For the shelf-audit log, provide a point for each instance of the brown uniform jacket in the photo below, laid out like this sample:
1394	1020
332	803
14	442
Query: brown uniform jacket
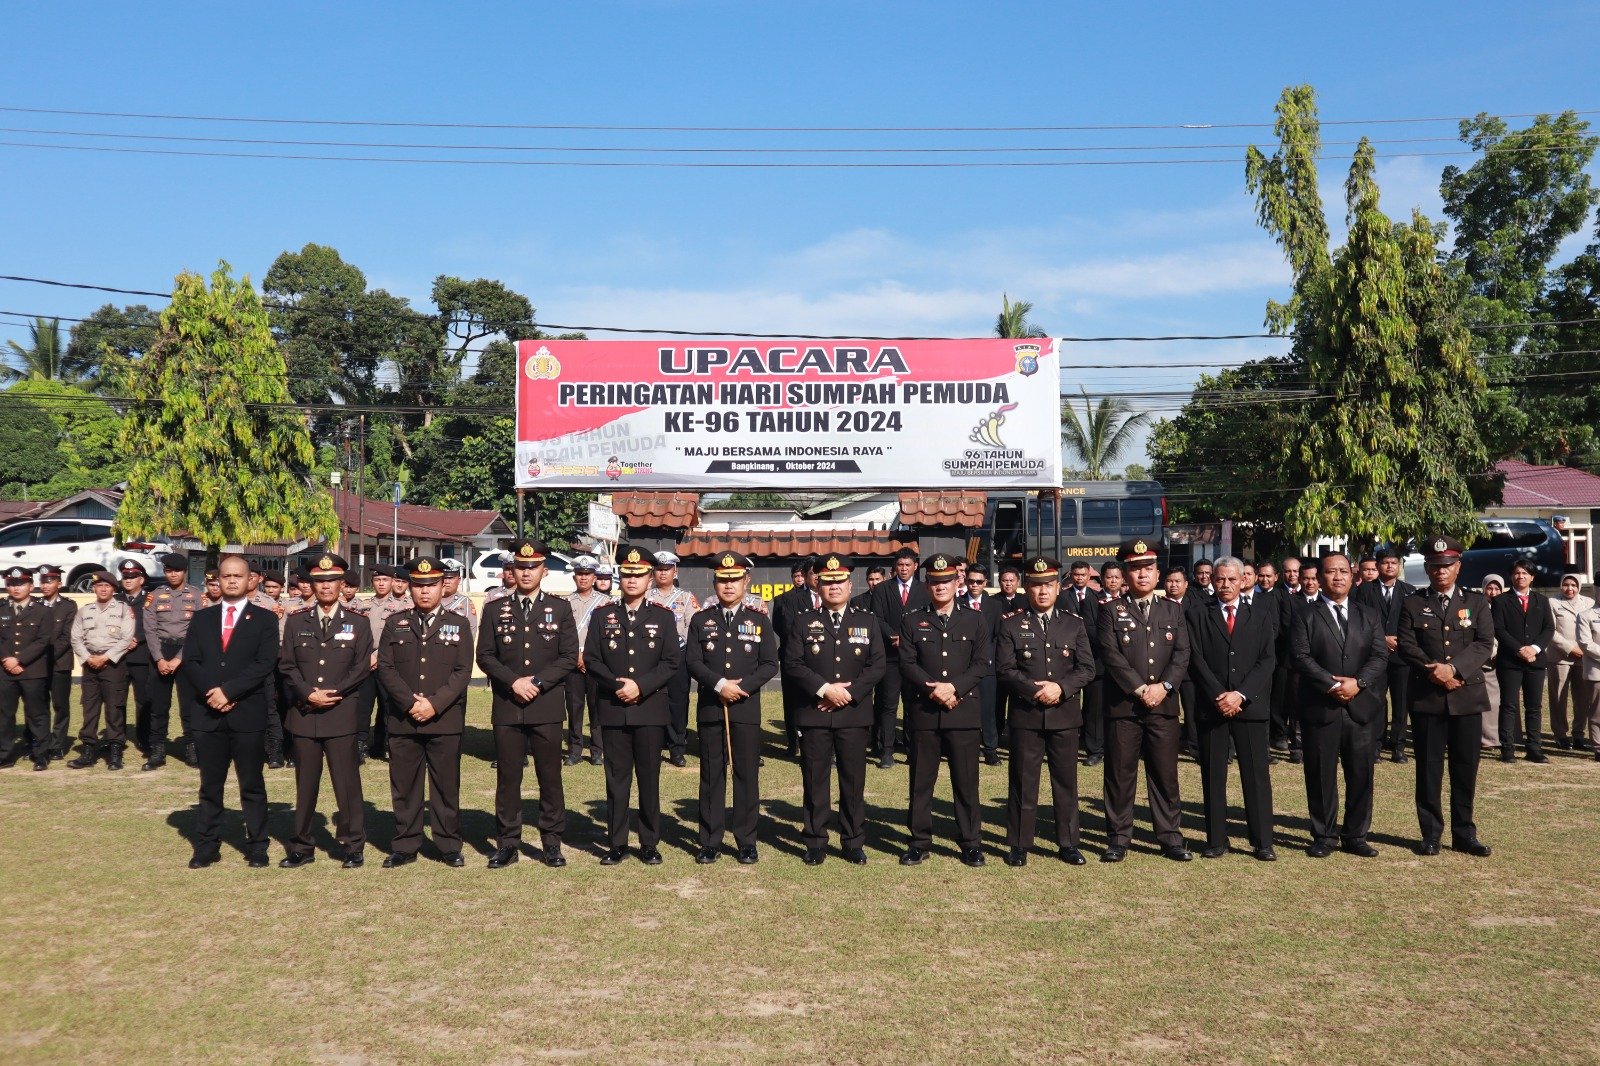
437	666
817	654
1025	652
27	631
1137	653
746	649
543	646
342	660
1461	634
959	651
646	651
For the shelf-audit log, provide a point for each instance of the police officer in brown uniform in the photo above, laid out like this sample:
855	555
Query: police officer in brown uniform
834	655
27	634
528	647
1045	659
325	661
62	611
167	613
945	653
1446	636
732	653
132	592
632	653
1145	644
425	665
100	635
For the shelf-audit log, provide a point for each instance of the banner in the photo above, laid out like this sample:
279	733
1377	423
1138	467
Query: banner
713	415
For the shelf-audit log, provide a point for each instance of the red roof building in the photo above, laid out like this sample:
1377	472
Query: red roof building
1564	495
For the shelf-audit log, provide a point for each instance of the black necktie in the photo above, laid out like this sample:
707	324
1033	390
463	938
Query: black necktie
527	607
940	619
327	626
1144	609
834	615
632	615
727	618
1344	624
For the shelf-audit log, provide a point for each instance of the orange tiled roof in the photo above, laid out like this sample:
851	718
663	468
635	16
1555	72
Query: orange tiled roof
671	510
943	508
794	543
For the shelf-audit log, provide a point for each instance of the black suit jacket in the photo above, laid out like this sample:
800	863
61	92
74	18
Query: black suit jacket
647	652
1320	653
818	654
1138	653
888	609
242	672
437	666
342	661
1515	629
1025	653
1371	595
1241	662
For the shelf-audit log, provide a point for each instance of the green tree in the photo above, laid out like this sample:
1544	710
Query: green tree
102	343
28	439
1569	392
1013	320
44	358
1102	435
87	431
212	449
1388	445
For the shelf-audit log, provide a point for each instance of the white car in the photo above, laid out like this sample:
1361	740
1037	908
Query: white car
79	546
486	570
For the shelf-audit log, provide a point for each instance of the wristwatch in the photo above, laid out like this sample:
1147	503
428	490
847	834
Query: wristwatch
1360	683
1167	685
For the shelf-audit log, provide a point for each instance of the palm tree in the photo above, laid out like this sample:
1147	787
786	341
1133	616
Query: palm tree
43	360
1013	319
1103	433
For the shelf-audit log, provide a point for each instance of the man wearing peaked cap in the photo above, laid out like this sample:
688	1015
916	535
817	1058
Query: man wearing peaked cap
451	598
945	653
732	652
62	612
27	633
682	603
131	591
167	613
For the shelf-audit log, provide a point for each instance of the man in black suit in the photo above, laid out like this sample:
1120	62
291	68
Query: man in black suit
1144	641
632	653
229	655
425	664
785	607
946	651
1010	598
1044	658
1386	595
528	648
1080	599
732	653
1446	639
890	601
1525	629
1183	594
1339	654
835	656
1233	653
974	596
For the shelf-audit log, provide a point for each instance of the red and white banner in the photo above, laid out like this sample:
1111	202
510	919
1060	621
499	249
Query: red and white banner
715	415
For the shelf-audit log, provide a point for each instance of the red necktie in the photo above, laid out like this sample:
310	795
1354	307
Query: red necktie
227	626
905	591
1523	597
1227	612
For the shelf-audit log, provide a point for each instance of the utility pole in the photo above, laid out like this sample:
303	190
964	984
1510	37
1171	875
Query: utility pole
361	490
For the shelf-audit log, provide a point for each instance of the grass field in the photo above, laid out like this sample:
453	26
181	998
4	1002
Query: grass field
115	951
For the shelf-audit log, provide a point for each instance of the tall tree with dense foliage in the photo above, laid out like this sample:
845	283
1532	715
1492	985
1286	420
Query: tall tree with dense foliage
1390	443
102	343
43	358
1101	436
214	449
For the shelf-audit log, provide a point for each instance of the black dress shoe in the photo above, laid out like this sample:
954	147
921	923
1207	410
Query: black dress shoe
1471	847
294	862
855	856
1297	756
399	859
814	856
972	857
1176	852
706	856
1398	757
453	858
1114	853
761	760
84	760
1094	760
1320	850
503	857
1017	857
1564	743
1428	847
200	862
41	764
552	857
1071	856
913	857
1215	852
257	861
650	856
354	861
991	757
680	760
1537	756
748	856
1506	756
1358	847
597	760
1265	855
612	857
275	764
886	762
574	758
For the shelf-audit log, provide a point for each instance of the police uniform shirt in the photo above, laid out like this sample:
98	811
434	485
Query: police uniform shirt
167	612
954	648
1144	642
1455	629
644	648
583	607
102	629
27	632
427	653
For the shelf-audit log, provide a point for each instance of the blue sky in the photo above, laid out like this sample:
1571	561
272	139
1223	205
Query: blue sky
1099	250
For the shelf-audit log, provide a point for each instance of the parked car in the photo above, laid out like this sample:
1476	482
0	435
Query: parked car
486	570
1504	541
79	546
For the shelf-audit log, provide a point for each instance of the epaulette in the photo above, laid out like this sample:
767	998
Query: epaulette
1013	613
300	610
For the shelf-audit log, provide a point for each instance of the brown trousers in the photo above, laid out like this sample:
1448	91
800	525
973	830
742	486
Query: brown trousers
1154	739
105	689
512	743
440	755
1029	749
344	767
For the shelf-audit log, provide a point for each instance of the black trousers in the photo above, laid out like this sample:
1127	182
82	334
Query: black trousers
1396	684
440	755
578	685
342	754
1526	728
1191	725
1285	723
960	746
139	671
1153	739
1029	749
1459	736
677	736
1347	743
1002	705
989	722
633	752
34	695
163	687
105	690
512	743
793	700
61	711
1094	717
375	739
885	708
274	689
217	749
820	751
1250	741
714	782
